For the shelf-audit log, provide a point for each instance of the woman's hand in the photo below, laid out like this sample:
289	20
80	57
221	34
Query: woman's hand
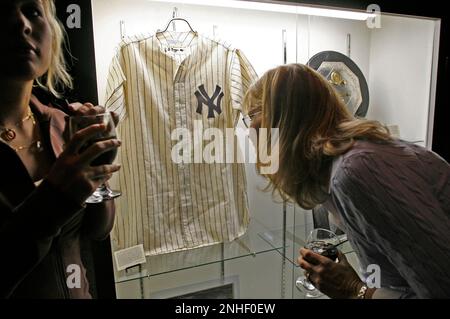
72	174
78	109
335	279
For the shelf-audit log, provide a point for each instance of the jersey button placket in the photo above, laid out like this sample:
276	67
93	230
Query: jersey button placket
188	218
183	168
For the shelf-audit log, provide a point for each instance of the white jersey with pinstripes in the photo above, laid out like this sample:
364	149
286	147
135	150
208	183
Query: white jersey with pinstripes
166	206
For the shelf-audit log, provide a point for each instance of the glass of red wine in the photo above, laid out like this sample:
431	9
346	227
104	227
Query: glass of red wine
76	123
323	242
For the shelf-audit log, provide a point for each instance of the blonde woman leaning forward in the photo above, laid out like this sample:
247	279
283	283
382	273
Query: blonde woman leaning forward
391	197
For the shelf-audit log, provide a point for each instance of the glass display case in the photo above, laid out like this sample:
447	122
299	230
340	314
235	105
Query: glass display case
397	56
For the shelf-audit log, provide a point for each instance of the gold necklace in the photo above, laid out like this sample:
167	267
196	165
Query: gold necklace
36	145
8	134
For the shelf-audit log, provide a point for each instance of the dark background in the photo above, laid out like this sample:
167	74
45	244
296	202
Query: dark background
81	46
81	42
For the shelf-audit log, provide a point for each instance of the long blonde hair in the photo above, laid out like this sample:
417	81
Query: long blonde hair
314	127
56	75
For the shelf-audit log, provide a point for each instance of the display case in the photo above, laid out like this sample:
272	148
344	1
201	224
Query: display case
398	57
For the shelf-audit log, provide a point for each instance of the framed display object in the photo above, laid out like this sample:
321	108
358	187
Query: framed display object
226	288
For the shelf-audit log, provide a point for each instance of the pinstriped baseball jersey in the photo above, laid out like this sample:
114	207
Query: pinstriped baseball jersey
157	84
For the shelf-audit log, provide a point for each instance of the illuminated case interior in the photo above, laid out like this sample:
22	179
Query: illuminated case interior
398	57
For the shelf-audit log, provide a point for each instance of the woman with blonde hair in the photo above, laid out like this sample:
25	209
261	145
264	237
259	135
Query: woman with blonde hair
391	197
44	178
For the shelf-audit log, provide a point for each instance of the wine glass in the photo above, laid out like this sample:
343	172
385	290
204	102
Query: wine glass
321	241
76	123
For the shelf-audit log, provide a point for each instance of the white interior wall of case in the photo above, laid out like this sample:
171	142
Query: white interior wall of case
395	59
401	57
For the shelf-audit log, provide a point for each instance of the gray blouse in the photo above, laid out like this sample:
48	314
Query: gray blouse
393	201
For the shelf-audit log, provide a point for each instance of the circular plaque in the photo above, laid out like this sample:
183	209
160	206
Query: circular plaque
346	77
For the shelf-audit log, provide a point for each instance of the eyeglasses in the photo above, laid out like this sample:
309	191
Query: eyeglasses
247	119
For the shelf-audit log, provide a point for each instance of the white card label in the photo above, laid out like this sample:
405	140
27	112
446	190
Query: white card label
130	257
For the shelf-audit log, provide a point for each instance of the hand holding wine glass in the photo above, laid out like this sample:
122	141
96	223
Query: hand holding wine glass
327	270
104	156
72	173
323	242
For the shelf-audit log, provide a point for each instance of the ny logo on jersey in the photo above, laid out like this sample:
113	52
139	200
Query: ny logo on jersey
203	98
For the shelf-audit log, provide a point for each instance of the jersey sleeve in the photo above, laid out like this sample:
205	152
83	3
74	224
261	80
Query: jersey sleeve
115	88
243	75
